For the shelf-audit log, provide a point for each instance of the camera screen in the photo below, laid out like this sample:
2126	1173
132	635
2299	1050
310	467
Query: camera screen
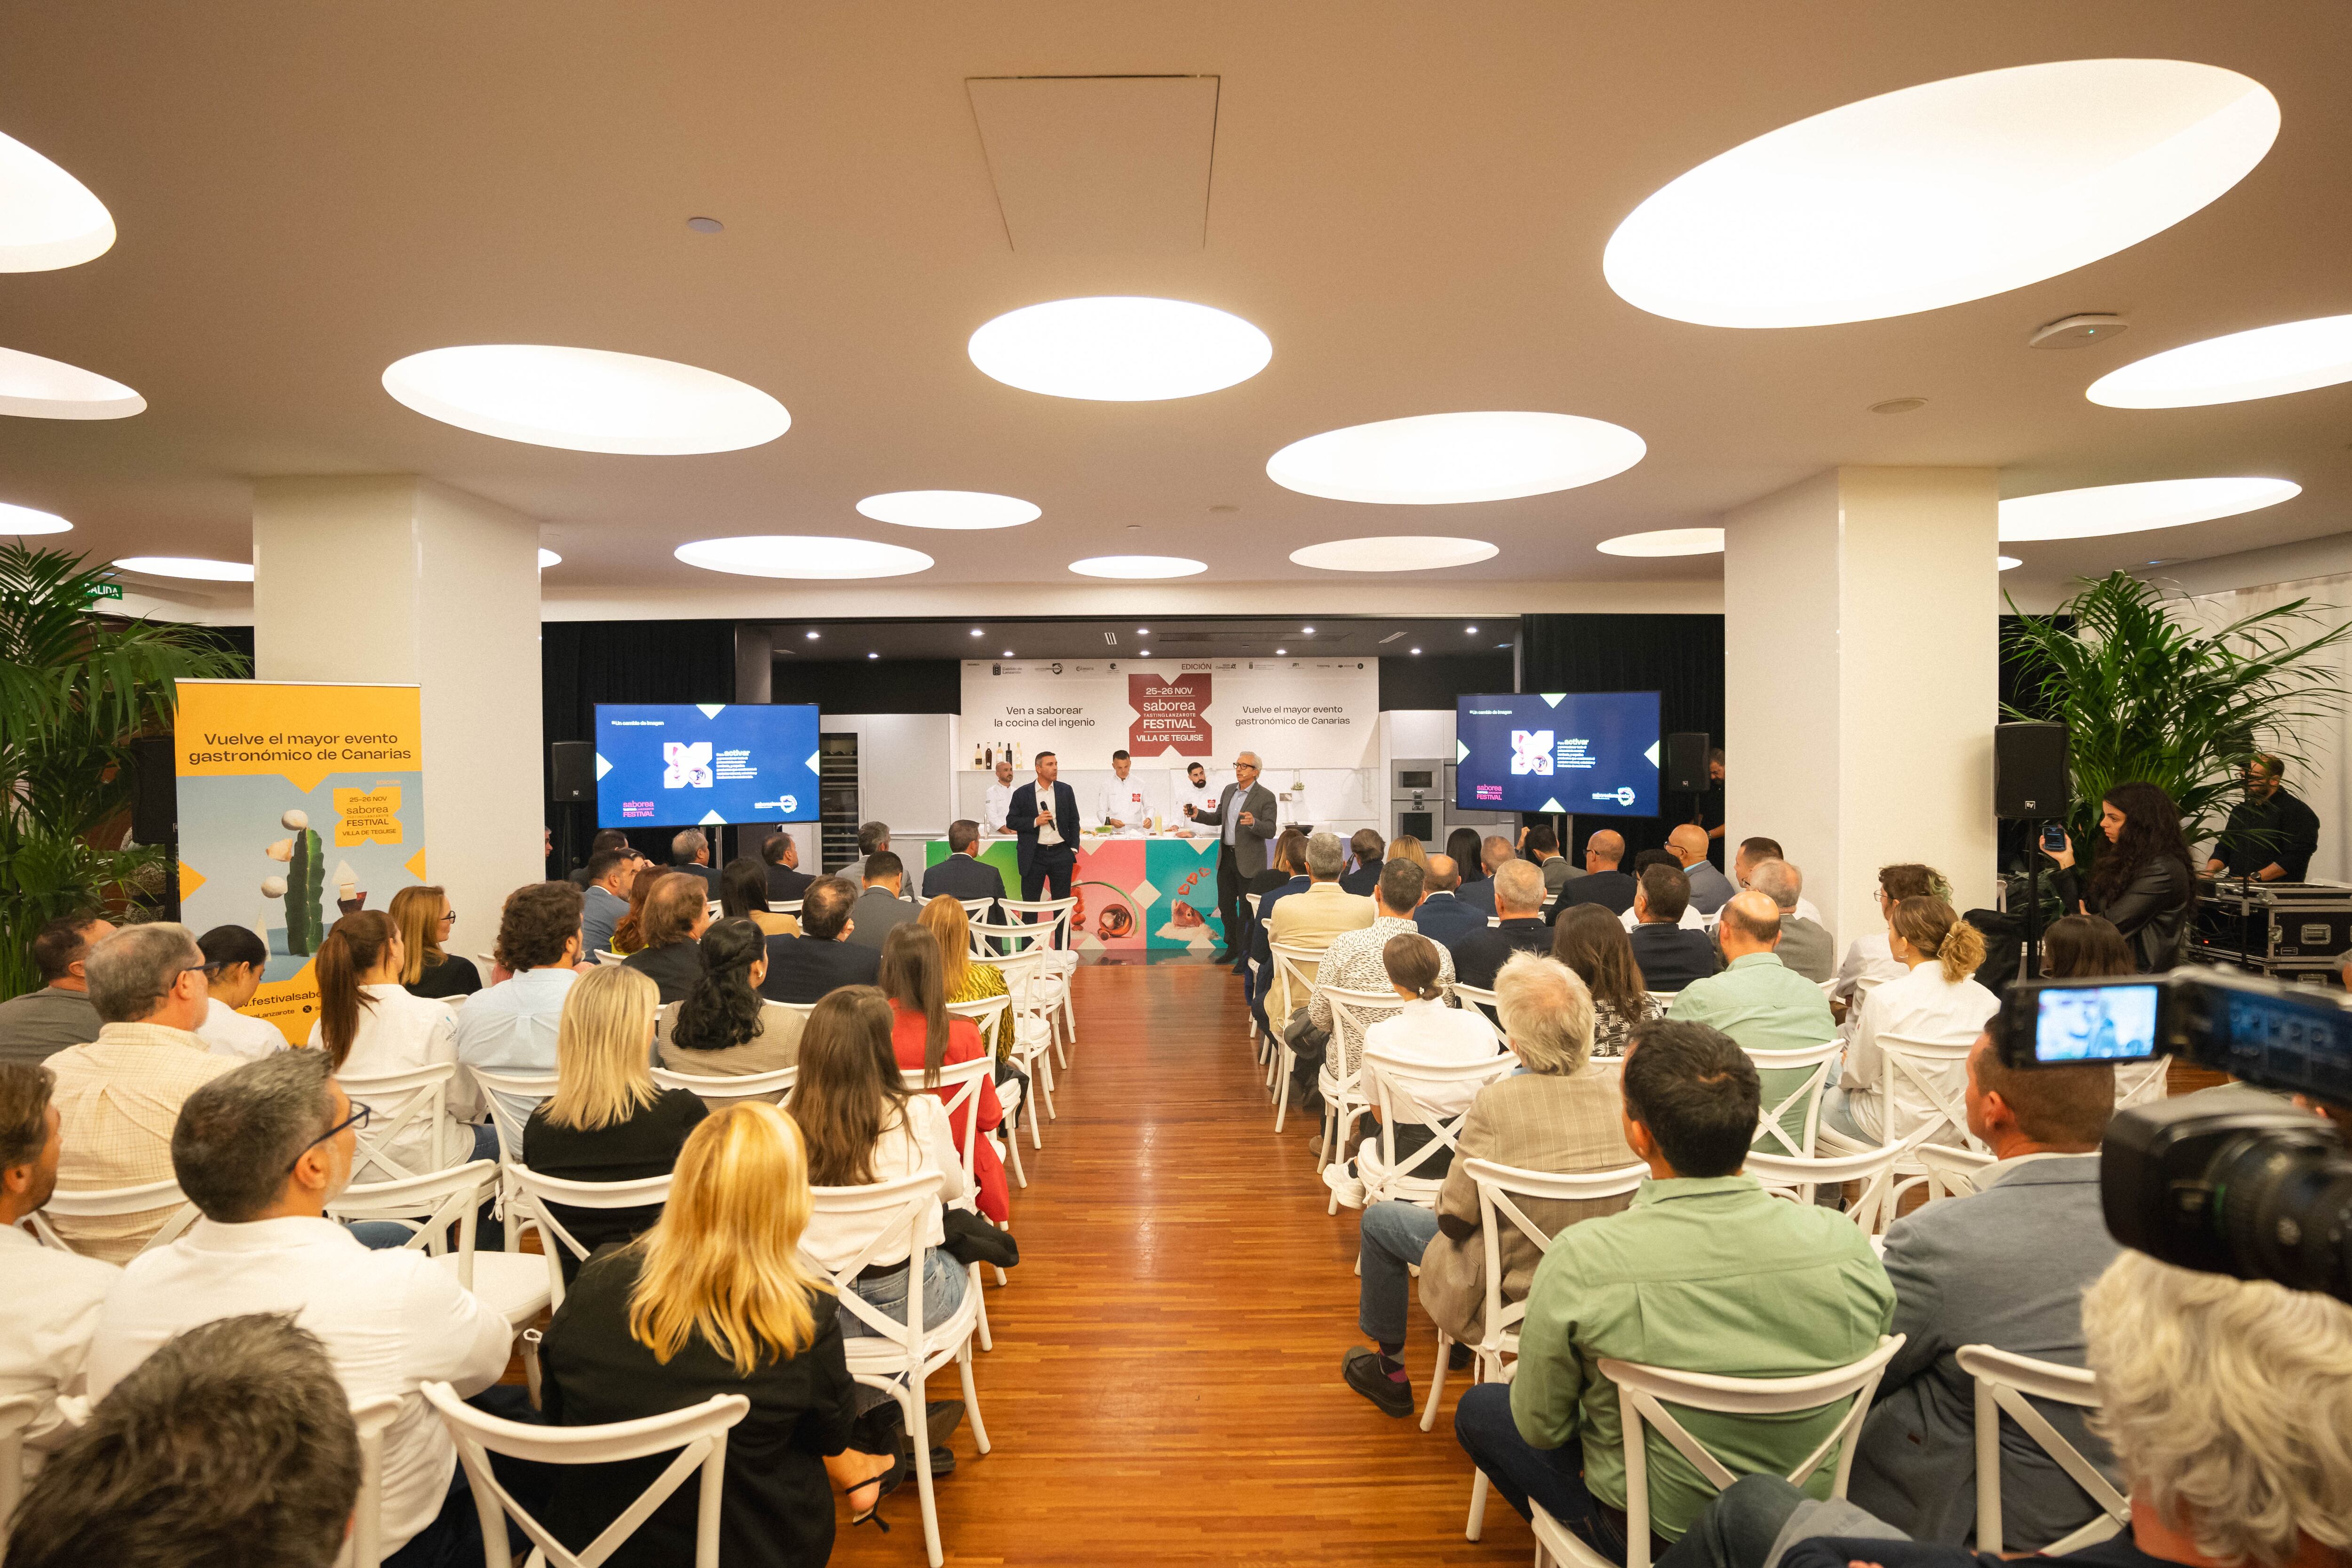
2095	1023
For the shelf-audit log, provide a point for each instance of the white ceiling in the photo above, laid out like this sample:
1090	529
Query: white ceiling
1411	200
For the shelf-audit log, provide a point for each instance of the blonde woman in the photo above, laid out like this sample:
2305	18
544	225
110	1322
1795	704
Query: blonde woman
1410	848
608	1120
962	979
426	920
715	1299
1937	999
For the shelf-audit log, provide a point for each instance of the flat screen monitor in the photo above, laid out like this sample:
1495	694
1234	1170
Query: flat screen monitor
679	764
1591	754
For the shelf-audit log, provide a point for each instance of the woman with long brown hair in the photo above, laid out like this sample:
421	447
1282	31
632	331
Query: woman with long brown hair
1937	1001
1593	943
370	1026
629	930
925	1035
426	920
676	913
2142	881
725	1029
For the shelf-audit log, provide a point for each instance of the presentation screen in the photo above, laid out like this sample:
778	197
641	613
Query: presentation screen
672	766
1592	753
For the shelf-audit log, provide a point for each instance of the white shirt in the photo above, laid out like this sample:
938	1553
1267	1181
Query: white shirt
1921	1006
998	807
1051	833
1433	1032
392	1322
1121	801
928	1144
227	1032
1869	957
400	1034
52	1304
510	1027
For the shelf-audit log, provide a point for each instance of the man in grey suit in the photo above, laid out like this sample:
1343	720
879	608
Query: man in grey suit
1244	818
1806	946
1709	889
881	907
2006	1268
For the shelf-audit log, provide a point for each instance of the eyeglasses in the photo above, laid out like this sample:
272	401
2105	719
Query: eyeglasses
357	1121
448	917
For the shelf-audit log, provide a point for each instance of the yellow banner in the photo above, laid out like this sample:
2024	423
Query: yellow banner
239	728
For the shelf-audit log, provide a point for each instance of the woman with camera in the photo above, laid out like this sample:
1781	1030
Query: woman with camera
2141	881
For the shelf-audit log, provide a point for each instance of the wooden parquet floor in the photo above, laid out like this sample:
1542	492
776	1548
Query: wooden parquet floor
1165	1385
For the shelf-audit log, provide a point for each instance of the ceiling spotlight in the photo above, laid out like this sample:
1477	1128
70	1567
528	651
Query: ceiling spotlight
705	225
806	555
1899	406
1143	631
1307	631
977	632
1665	542
1413	650
585	400
49	220
1119	349
1941	192
1395	552
874	656
949	509
2266	361
1008	653
2011	562
1280	651
548	558
1138	566
24	520
1472	630
1432	460
811	635
2078	331
35	388
189	566
2103	509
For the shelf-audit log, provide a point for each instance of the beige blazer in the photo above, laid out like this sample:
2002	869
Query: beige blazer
1311	919
775	1046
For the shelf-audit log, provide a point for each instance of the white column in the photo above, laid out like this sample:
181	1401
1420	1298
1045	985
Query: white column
397	579
1861	674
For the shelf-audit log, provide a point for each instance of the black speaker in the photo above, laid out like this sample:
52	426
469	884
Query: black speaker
2029	771
155	798
1685	768
572	770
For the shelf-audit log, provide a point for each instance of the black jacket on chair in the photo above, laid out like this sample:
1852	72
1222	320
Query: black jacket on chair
803	968
1670	956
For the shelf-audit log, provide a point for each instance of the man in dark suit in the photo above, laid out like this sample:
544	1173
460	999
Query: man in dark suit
803	968
690	852
1243	817
1045	818
609	838
1602	883
1366	845
1290	851
1480	956
964	876
1670	956
1496	852
786	880
881	908
1442	916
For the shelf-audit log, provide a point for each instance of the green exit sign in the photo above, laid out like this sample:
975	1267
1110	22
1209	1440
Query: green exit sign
106	590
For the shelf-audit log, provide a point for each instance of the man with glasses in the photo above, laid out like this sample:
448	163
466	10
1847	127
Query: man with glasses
1244	819
119	1094
2271	835
261	1152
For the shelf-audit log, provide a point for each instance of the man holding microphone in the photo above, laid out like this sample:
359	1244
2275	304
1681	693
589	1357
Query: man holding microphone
1244	815
1044	816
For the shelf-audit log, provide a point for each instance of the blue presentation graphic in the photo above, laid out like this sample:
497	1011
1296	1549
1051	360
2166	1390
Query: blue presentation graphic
2102	1023
669	765
1592	753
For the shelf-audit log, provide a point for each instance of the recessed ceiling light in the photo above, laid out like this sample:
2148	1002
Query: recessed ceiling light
35	388
1121	349
1415	650
1307	631
24	520
705	226
2132	509
1899	406
1471	630
1665	542
1396	552
1941	192
1280	651
2267	361
1008	653
978	633
949	508
1432	460
548	558
190	566
585	400
49	220
874	656
1143	631
1138	566
814	555
2009	563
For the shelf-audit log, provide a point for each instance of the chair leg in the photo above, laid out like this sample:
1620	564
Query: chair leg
1282	1089
1012	1148
1477	1505
912	1400
1436	1382
985	1343
971	1402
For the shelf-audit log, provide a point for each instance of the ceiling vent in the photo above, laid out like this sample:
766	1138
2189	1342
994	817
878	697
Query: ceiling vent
1096	165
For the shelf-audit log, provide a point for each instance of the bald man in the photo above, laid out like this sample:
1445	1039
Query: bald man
1442	916
1602	882
1757	1000
1709	889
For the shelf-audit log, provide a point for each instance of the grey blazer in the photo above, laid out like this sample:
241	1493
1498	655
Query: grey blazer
1249	841
1807	948
2006	1268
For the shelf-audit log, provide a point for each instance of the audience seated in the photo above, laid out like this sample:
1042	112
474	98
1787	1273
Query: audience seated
925	1037
370	1026
512	1027
803	968
1806	945
40	1023
743	895
676	914
725	1029
260	1151
1310	918
872	838
1754	852
1602	883
1404	847
1557	1114
964	875
690	855
1366	846
1759	1001
611	874
628	932
1937	999
231	1447
1542	845
1442	916
963	978
235	958
1353	963
1708	887
881	908
1706	1272
715	1299
119	1094
1671	954
1869	957
606	839
425	919
1284	874
1462	848
1480	952
786	880
1422	1030
1494	854
53	1297
1599	952
2007	1268
2089	947
608	1120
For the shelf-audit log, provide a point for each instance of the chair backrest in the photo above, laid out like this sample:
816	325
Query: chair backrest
499	1088
1352	1012
1792	1096
1253	900
613	959
16	1412
428	1205
875	1214
788	907
959	1086
1484	1004
2003	1381
986	1013
2142	1083
1056	913
698	1432
1922	1091
997	940
1501	1189
1952	1173
397	1101
1643	1392
114	1202
538	1192
718	1093
1294	973
1405	1089
365	1548
1798	1178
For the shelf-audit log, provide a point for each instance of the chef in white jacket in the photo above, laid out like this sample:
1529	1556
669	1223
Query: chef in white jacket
1120	807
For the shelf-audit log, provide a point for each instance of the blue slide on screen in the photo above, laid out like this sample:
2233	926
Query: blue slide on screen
673	765
1594	754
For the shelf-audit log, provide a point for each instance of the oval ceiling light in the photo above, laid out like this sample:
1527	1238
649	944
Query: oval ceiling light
2009	563
32	387
1665	542
801	555
949	509
585	400
1138	566
49	220
1434	460
2267	361
1394	552
1121	349
2133	509
1942	192
548	558
25	520
195	567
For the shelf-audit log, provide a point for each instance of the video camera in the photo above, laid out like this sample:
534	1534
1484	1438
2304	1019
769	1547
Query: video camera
2226	1185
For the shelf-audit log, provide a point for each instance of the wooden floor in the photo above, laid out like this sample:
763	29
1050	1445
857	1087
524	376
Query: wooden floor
1165	1384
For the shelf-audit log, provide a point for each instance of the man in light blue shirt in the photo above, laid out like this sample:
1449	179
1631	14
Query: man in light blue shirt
511	1027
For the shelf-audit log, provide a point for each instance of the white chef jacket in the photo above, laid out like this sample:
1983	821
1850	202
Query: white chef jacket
998	806
1122	799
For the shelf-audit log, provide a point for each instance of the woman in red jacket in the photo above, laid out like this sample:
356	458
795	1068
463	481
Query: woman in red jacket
926	1037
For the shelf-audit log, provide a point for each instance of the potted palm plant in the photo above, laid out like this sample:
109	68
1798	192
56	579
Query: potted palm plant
76	688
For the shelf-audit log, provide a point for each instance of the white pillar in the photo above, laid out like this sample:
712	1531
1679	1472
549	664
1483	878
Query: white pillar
395	579
1862	674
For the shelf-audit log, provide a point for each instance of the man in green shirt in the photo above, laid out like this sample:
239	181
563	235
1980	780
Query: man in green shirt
1762	1004
1706	1272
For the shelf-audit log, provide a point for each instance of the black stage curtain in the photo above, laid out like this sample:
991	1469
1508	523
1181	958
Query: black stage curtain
1678	657
583	663
871	685
1434	680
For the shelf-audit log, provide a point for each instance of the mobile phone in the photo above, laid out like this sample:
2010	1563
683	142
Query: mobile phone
2054	837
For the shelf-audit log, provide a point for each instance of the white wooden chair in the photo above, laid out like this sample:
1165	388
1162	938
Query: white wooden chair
989	1014
511	1283
364	1548
1053	985
397	1102
1791	1121
536	1193
611	960
789	907
1921	1092
116	1203
897	1357
2003	1383
1643	1392
975	915
1403	1090
511	1097
962	1081
2142	1083
1294	980
16	1412
1486	1004
696	1434
718	1093
1341	1081
1952	1173
1660	1001
1798	1178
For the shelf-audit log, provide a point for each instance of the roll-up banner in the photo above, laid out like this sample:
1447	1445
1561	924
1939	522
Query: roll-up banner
299	804
1293	712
